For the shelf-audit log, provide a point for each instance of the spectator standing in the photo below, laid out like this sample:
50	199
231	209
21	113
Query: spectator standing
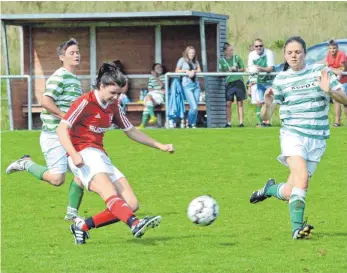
336	60
261	60
234	84
190	65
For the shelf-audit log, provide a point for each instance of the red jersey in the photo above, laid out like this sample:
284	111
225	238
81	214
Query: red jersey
337	62
89	119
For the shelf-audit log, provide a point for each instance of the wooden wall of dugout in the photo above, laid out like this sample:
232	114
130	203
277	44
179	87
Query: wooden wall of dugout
133	45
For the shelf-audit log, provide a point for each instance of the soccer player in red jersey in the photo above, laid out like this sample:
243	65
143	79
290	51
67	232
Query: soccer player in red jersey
81	133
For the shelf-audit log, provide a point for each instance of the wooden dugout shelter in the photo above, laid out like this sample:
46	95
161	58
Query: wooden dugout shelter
138	39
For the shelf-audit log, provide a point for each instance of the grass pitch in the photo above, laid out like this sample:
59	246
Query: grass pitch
228	164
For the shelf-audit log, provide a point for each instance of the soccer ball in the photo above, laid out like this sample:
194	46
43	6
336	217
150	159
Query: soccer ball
203	210
253	70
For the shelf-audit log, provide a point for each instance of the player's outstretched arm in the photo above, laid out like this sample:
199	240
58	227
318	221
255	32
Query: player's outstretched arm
144	139
64	138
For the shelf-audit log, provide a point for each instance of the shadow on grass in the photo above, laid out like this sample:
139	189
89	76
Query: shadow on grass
158	240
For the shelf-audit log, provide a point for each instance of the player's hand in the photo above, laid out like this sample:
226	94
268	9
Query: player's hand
269	96
324	81
77	160
167	148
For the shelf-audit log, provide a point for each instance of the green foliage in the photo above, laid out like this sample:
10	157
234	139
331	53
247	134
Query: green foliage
277	45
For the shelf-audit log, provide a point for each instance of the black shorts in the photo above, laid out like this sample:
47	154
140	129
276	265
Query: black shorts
237	89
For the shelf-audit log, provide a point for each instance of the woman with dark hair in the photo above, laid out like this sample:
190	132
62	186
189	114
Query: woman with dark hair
303	93
81	133
190	65
155	96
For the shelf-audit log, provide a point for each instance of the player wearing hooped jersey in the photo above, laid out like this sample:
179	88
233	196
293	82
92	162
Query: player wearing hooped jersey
303	93
81	133
62	88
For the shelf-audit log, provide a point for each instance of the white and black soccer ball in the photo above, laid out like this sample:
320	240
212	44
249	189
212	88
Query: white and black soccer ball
203	210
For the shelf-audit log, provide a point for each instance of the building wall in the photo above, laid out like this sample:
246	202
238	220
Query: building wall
134	46
215	100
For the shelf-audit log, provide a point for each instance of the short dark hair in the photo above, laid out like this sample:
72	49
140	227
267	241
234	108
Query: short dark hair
64	46
162	66
109	74
333	43
225	46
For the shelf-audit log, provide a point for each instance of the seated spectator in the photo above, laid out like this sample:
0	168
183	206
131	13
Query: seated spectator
189	64
336	60
155	95
261	60
234	84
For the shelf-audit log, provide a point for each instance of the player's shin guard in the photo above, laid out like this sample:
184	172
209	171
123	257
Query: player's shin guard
297	207
101	219
75	195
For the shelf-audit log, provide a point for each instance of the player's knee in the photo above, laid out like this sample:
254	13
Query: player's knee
57	180
229	103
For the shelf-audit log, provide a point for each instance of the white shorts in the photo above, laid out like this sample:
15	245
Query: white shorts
54	152
157	98
254	94
309	148
95	161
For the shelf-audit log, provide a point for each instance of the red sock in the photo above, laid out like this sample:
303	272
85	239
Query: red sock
120	210
103	217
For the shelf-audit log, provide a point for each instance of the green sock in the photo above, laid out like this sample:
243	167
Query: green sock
150	110
297	207
75	195
144	117
275	190
257	110
35	169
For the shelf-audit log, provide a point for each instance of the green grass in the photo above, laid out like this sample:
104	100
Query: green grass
228	164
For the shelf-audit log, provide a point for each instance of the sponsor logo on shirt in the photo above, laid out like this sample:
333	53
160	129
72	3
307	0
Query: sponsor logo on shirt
97	130
304	86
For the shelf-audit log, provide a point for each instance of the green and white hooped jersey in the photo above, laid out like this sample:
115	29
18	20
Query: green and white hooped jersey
304	107
64	88
265	60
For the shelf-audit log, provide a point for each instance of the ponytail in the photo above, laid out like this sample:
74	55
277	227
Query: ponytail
109	74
